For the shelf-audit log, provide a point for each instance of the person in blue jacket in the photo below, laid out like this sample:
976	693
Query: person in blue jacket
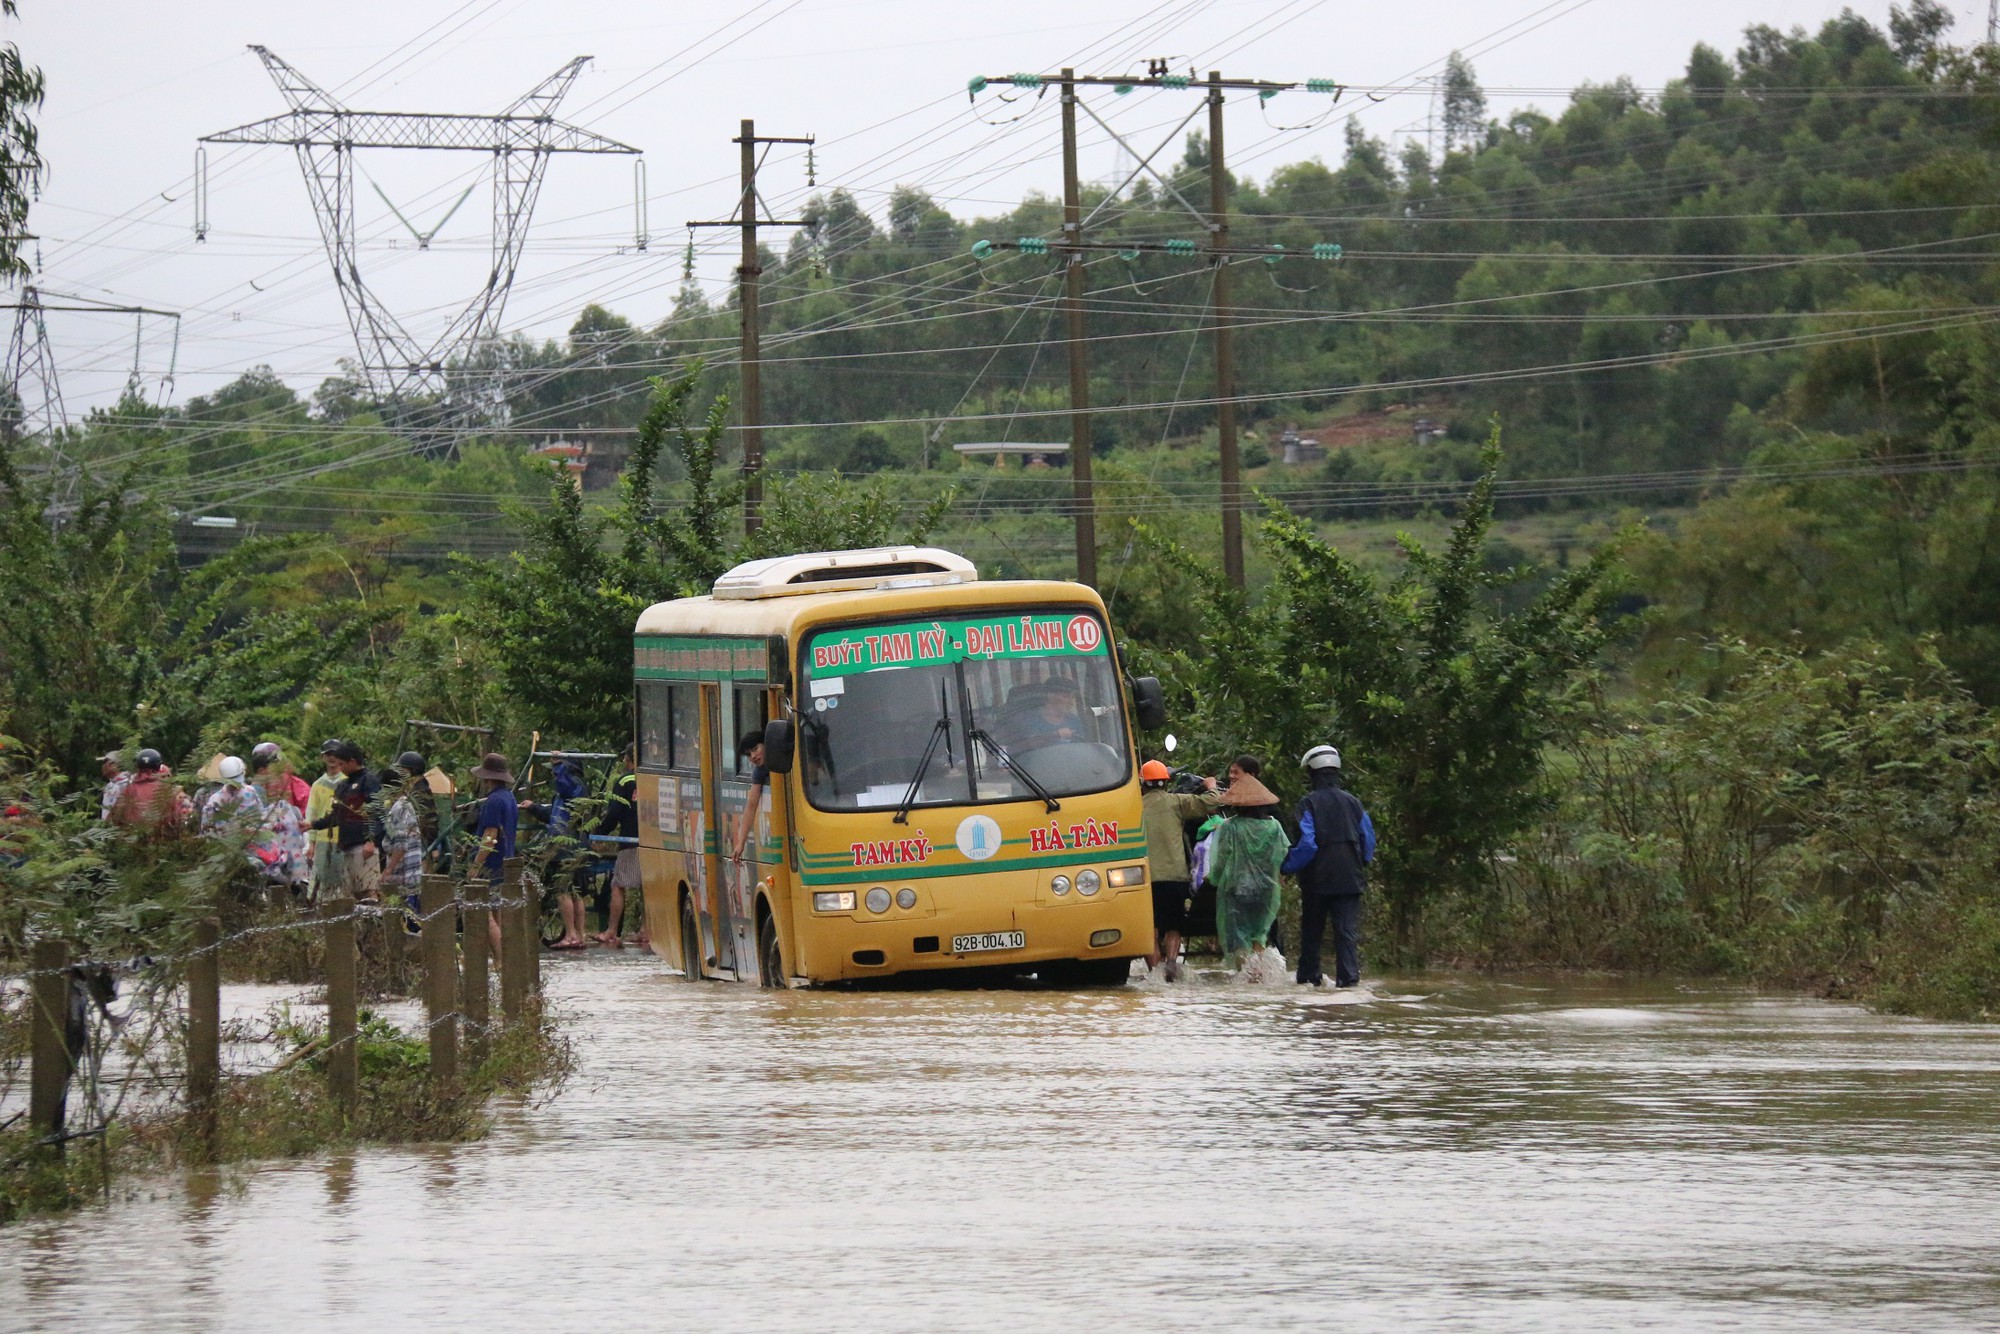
1335	844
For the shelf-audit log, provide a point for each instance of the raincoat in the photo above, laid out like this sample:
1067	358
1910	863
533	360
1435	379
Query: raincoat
1243	865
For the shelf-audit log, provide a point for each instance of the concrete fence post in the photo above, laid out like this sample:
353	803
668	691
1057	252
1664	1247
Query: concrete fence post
514	945
343	1057
48	1093
204	1035
441	978
475	1003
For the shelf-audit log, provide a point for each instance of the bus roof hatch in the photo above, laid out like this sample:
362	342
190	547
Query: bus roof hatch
844	571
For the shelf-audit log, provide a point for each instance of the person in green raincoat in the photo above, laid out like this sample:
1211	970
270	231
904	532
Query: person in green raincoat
1249	846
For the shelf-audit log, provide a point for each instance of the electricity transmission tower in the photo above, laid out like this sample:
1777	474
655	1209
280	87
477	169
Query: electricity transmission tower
398	368
32	405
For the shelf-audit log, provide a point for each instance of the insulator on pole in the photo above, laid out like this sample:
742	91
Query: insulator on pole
812	169
200	194
641	233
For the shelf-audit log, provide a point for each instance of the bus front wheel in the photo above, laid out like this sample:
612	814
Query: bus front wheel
690	942
1085	972
770	956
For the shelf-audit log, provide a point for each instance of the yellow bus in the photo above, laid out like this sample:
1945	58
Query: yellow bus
950	769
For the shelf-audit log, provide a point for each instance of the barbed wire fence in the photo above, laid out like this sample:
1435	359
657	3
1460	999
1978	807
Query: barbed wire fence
142	1040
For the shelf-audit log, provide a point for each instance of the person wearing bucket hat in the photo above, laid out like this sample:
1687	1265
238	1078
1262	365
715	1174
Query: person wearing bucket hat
1335	844
1166	812
1249	845
495	825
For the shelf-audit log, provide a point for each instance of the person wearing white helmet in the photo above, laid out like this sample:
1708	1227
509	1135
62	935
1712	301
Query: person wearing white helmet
1330	857
234	806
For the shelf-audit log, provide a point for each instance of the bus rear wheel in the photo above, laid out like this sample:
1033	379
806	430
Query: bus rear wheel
690	942
770	956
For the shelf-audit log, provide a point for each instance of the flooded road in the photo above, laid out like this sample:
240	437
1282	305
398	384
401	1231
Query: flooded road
1541	1154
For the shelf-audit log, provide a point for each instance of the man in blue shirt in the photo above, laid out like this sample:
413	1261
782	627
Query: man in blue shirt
495	825
1336	842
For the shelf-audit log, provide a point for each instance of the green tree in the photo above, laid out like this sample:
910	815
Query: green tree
108	640
21	90
558	613
1464	105
1443	702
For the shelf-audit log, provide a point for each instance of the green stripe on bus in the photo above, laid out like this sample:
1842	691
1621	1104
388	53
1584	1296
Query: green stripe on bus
1127	843
849	875
691	657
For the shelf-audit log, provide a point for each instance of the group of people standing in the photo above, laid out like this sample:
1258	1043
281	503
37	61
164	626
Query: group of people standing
1242	849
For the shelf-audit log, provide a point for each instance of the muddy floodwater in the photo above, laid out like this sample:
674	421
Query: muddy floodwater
1446	1150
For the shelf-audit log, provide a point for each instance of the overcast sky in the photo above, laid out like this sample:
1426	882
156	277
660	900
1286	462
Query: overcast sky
880	82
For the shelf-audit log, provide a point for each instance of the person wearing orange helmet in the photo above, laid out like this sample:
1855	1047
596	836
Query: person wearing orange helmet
1167	858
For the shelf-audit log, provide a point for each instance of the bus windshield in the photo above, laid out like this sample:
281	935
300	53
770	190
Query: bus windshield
1001	707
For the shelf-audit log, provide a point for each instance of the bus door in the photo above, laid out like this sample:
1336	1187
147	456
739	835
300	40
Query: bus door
717	870
749	711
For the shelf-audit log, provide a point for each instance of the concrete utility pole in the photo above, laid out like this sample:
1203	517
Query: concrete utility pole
1073	245
750	383
1082	494
1225	354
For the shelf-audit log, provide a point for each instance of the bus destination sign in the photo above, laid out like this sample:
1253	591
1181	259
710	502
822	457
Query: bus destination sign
932	643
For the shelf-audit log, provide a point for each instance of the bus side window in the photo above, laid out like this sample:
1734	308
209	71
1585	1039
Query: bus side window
684	713
655	735
752	712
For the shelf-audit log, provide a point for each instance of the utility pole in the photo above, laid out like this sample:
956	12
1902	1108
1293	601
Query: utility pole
1073	246
1082	498
750	384
1225	353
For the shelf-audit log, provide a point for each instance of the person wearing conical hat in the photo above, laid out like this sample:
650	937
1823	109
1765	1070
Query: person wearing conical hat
1250	845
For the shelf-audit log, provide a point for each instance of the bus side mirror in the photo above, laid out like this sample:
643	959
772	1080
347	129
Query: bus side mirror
778	745
1149	703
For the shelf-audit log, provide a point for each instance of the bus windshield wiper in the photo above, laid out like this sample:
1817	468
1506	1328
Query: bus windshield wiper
940	730
1015	766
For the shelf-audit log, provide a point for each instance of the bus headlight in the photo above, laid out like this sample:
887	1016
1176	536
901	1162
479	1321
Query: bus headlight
1123	877
833	900
878	899
1087	882
906	898
1059	886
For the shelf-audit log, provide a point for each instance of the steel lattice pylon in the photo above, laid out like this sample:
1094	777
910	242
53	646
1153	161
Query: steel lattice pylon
400	369
33	407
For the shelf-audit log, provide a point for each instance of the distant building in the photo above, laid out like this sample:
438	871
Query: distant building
1424	431
1298	448
567	454
1031	453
